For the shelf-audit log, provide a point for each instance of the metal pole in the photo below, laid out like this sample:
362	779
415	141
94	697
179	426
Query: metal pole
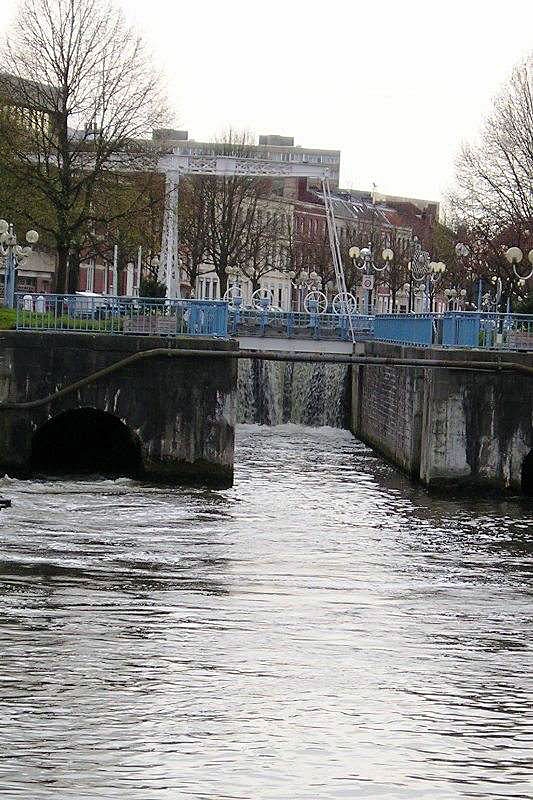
138	279
368	292
10	276
115	270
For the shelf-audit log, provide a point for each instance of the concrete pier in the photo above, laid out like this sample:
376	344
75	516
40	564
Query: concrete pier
448	428
167	419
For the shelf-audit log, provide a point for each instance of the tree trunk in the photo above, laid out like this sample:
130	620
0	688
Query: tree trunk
73	273
60	283
223	282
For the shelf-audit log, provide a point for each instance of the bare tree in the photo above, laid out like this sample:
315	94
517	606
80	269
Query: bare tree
265	248
495	176
78	105
231	207
193	226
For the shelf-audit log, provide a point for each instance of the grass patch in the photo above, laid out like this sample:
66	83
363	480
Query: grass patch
47	321
8	317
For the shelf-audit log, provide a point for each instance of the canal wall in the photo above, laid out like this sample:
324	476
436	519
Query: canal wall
178	412
448	428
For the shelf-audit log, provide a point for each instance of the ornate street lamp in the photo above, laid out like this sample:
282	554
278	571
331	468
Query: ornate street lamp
488	300
514	256
234	294
305	281
363	259
13	255
435	274
425	271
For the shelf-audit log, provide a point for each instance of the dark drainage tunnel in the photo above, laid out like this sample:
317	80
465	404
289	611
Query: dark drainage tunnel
86	441
527	475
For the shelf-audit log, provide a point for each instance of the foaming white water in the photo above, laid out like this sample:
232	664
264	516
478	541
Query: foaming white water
273	393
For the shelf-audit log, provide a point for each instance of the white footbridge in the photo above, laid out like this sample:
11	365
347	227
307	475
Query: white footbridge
175	165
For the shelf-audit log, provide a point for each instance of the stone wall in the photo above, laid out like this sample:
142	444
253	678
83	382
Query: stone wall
181	410
446	427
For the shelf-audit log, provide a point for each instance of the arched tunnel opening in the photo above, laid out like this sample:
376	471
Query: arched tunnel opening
527	475
86	441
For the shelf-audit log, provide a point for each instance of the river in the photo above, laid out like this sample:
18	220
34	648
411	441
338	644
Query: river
322	630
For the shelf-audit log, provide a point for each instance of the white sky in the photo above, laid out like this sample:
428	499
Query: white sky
394	85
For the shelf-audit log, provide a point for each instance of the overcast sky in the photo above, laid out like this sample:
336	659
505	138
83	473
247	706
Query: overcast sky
394	85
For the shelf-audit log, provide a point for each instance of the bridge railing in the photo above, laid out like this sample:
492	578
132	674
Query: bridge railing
121	315
417	329
296	324
463	329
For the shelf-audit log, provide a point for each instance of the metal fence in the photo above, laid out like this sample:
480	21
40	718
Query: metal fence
299	325
417	329
121	315
506	331
162	317
466	329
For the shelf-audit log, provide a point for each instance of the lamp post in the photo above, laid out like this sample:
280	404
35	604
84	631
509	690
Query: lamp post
435	274
488	300
304	281
13	254
421	295
514	256
363	259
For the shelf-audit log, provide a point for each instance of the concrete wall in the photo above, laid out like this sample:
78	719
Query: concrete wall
182	410
447	428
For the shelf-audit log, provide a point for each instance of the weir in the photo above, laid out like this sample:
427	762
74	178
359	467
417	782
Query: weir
277	392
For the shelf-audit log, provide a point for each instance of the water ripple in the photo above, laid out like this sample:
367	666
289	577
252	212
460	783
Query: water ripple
322	630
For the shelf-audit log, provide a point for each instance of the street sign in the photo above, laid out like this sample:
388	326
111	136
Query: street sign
368	282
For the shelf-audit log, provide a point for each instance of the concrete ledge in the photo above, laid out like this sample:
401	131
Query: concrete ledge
295	345
451	429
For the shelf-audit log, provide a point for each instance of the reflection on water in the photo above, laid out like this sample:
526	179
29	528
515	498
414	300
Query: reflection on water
323	630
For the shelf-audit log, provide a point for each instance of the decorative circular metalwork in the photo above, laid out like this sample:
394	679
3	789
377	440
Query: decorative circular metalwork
262	299
523	277
420	264
318	298
232	296
344	303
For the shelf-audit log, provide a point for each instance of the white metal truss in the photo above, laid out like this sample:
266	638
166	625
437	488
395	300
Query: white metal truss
169	271
175	164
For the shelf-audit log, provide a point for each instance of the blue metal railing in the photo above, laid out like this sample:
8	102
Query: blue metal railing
461	329
121	315
298	324
464	329
415	329
161	317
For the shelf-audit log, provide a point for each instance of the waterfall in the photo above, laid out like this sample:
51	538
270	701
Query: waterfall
276	392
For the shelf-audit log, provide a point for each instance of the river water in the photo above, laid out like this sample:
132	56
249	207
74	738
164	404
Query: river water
322	630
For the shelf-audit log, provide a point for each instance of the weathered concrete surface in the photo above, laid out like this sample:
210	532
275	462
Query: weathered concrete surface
446	428
181	410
